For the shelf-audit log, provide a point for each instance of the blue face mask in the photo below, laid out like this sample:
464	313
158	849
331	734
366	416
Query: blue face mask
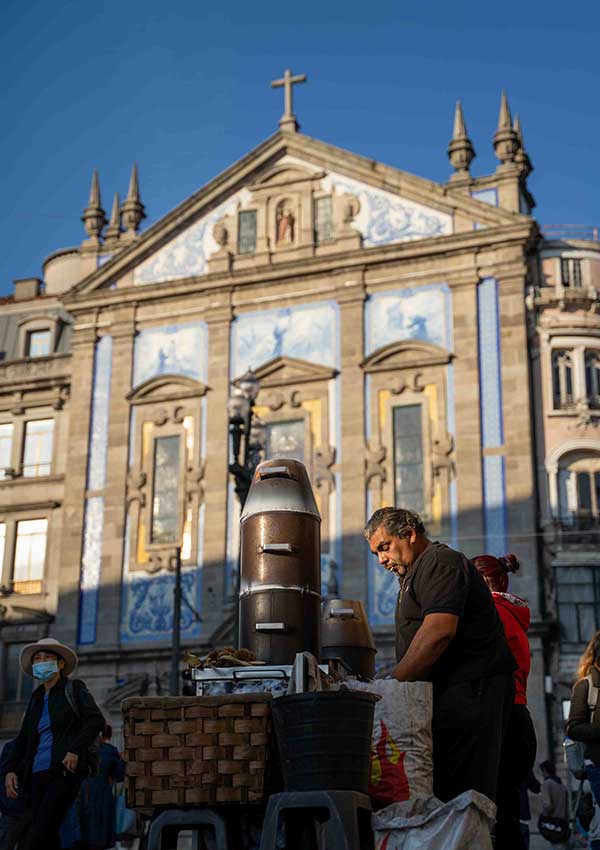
44	670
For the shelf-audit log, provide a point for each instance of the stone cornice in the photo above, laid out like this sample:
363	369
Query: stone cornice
518	233
28	507
35	372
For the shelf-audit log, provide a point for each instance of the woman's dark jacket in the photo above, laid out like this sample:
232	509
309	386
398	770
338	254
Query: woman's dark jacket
70	734
580	727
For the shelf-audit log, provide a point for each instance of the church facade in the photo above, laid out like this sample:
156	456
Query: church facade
406	335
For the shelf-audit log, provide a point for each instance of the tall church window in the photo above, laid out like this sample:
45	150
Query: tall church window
562	379
37	450
6	436
165	492
38	343
247	232
570	272
323	208
30	555
285	439
408	457
592	378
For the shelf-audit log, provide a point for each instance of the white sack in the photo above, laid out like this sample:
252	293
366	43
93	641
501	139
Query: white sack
401	750
462	824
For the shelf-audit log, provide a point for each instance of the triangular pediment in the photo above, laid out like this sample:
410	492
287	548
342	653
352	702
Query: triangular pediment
166	387
405	355
282	371
389	206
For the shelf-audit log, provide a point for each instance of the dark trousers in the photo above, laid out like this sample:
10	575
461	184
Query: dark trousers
517	759
469	721
12	828
593	777
52	793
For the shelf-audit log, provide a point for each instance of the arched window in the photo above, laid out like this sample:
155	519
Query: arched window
562	378
579	489
592	378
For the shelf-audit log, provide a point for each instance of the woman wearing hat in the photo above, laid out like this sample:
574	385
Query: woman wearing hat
51	753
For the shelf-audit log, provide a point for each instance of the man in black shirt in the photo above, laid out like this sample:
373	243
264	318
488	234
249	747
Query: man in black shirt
448	632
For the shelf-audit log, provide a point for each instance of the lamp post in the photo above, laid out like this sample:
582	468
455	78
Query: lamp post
247	441
174	688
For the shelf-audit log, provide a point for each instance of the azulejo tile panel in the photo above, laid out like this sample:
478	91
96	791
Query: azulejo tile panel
147	600
420	313
179	349
385	217
308	332
100	410
89	580
187	254
494	498
490	364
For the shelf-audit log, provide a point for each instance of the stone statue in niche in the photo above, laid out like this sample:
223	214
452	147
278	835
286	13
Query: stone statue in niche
284	224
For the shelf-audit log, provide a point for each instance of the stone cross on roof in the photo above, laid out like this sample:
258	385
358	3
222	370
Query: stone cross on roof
288	119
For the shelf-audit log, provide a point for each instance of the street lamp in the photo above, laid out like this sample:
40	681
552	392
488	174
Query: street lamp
244	460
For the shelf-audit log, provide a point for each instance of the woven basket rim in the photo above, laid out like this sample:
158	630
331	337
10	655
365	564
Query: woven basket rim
209	702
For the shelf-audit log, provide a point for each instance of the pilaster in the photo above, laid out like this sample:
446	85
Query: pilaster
468	432
218	319
122	331
350	296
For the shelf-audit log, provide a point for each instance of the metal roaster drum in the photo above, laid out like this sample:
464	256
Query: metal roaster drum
346	634
280	583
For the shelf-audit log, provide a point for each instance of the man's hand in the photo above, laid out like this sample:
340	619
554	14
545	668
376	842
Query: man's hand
432	638
70	762
11	784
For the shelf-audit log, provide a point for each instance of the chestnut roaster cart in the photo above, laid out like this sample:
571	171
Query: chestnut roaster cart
241	765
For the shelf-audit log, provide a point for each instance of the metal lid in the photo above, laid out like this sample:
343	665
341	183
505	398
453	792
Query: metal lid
345	623
280	484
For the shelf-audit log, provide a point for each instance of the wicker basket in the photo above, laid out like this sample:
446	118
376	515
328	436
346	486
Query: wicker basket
196	750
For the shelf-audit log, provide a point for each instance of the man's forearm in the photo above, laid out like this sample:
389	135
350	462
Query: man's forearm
424	650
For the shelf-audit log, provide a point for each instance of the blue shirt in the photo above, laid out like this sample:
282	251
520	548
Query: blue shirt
43	756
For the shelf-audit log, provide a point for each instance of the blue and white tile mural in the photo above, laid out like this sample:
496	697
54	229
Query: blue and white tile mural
171	349
308	332
147	599
423	313
492	419
187	254
384	217
91	561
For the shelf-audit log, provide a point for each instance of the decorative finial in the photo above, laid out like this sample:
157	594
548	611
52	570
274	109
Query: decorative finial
132	210
506	141
288	119
522	157
460	150
93	217
113	231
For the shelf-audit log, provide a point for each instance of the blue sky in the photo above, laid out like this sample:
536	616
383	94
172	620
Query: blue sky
183	89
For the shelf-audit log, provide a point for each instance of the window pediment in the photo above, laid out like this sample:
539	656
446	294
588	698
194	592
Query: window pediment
285	174
282	370
406	355
166	388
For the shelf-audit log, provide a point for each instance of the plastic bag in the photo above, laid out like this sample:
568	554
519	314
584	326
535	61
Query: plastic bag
401	749
464	823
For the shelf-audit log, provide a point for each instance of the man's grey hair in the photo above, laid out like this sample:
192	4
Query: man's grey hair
398	522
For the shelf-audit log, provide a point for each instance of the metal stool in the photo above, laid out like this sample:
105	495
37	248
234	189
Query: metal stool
177	820
327	820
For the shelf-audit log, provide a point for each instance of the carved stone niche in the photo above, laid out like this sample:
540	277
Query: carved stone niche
165	406
285	202
295	392
410	373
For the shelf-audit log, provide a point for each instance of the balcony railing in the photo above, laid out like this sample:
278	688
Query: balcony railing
586	232
576	530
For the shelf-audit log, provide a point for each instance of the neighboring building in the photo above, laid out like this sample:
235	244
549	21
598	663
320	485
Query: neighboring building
564	304
386	317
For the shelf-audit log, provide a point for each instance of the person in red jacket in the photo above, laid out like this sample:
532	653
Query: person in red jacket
520	745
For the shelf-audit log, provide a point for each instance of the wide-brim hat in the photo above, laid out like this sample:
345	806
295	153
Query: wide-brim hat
48	645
